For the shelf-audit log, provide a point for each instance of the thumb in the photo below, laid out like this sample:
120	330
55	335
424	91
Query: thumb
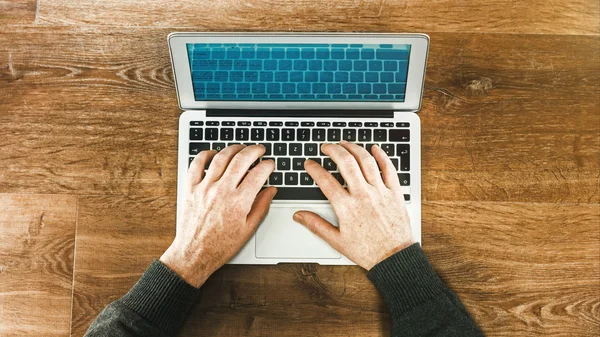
261	205
321	227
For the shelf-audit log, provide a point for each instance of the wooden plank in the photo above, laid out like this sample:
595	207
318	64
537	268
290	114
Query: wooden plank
93	111
497	16
37	236
521	269
17	11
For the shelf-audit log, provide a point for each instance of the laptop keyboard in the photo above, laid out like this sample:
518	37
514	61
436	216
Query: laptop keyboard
327	72
290	143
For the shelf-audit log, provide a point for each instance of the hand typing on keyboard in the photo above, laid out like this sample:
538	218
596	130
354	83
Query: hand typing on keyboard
373	222
222	210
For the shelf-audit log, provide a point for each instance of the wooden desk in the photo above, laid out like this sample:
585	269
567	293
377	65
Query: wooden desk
511	126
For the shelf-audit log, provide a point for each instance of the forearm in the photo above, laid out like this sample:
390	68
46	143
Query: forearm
419	303
155	306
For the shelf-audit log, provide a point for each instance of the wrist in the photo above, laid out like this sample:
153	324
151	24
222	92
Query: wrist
187	266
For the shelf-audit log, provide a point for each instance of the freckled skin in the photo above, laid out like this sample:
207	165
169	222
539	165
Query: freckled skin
224	208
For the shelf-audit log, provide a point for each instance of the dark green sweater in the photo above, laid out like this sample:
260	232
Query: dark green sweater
419	303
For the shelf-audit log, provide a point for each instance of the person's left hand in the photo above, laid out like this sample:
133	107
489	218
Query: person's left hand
221	212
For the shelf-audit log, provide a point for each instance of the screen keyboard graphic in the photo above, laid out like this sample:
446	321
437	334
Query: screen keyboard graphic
290	143
299	72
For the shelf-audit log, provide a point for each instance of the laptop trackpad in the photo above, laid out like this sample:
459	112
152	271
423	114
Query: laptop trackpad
280	237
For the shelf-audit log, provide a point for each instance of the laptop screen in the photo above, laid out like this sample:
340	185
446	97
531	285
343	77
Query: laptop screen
299	72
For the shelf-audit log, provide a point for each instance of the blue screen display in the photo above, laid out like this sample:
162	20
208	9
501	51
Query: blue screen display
299	72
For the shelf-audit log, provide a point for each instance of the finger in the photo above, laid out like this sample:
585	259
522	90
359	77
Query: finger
347	165
256	178
240	164
260	207
221	161
196	170
365	160
321	227
388	170
330	187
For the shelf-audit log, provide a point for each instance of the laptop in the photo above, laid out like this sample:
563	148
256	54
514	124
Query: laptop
292	93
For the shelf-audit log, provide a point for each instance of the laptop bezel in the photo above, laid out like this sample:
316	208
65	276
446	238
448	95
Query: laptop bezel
183	80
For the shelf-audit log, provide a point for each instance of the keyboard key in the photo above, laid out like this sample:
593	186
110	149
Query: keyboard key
191	159
226	134
329	164
317	160
196	148
287	135
386	124
371	124
228	123
291	178
305	179
242	134
318	135
280	149
406	197
307	124
349	135
364	135
273	134
368	148
399	135
402	149
295	149
339	124
275	123
291	123
324	124
404	179
197	123
258	134
333	135
295	193
339	178
405	162
195	134
260	123
355	124
268	147
276	178
310	149
218	146
402	124
380	135
283	164
388	149
298	164
303	135
211	134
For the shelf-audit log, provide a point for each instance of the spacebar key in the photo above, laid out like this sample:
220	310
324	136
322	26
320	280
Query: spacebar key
299	193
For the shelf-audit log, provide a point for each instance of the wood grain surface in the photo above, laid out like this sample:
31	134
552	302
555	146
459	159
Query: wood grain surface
37	236
535	274
510	165
17	11
496	16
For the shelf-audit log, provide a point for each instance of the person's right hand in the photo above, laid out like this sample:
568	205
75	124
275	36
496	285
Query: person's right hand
373	222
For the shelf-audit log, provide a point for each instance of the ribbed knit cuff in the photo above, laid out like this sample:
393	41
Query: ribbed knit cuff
405	279
162	297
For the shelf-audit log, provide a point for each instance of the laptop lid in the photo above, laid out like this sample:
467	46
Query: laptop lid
299	70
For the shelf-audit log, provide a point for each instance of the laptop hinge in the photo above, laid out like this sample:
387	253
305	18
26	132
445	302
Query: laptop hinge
324	113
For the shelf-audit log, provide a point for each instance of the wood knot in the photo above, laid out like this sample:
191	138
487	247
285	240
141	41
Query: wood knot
479	86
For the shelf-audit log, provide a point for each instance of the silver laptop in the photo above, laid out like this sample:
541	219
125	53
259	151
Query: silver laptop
293	92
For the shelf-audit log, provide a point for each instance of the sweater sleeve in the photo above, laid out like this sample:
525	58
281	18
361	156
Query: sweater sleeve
155	306
419	303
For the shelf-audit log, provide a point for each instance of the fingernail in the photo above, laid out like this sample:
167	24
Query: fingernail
375	146
298	217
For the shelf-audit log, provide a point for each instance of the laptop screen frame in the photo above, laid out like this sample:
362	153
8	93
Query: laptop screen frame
185	91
